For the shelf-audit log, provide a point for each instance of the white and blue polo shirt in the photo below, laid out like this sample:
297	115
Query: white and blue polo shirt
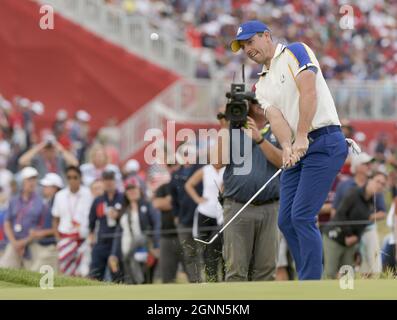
277	86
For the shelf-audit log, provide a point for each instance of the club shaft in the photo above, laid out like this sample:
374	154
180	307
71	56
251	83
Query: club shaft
244	206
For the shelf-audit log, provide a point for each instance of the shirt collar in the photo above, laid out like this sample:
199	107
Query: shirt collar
279	49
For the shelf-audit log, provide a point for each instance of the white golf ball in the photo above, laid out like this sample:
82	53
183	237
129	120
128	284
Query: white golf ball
154	36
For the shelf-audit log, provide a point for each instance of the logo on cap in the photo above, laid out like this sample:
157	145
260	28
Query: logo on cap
240	29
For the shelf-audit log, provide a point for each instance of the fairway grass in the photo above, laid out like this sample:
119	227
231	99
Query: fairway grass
363	289
25	278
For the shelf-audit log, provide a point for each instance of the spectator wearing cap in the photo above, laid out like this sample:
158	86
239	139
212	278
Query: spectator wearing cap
341	238
48	156
103	221
98	162
134	247
79	131
170	248
70	213
369	243
24	214
43	240
131	170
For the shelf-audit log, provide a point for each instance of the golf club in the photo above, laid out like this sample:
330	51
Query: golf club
241	210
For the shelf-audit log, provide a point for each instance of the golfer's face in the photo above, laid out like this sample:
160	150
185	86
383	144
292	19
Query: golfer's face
256	48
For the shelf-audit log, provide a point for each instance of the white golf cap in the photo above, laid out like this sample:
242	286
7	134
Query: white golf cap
132	165
83	115
24	102
52	180
6	105
358	159
38	107
28	172
62	115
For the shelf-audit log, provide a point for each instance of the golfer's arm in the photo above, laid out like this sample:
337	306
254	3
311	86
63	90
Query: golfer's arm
306	82
273	154
193	181
279	125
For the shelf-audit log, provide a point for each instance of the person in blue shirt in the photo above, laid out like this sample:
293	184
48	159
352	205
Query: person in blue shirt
44	242
24	214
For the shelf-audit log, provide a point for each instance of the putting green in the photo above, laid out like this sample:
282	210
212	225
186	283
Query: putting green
363	289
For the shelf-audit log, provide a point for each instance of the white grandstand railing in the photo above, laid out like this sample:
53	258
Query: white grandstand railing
130	31
198	101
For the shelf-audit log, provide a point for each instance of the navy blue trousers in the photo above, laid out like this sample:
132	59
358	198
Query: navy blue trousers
304	189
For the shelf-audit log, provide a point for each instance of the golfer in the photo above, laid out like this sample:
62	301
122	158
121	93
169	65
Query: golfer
302	114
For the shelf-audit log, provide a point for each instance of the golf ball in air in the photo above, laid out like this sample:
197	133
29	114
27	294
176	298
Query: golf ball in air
154	36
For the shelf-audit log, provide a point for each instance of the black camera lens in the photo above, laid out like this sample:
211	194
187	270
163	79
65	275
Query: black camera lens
236	111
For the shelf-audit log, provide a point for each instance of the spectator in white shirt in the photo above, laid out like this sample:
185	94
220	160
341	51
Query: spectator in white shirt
70	211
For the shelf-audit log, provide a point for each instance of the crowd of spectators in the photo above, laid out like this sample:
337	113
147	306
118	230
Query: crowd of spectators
67	201
367	51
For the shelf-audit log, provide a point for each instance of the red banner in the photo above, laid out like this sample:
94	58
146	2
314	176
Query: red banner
71	68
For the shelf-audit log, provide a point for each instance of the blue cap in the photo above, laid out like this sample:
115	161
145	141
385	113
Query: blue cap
246	31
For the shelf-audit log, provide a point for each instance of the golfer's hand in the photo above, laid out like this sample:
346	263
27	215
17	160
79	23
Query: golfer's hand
289	159
252	130
300	146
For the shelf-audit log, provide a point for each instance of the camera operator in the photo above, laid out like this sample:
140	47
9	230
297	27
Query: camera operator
48	156
250	242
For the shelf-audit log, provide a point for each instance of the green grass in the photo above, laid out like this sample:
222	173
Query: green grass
20	284
24	278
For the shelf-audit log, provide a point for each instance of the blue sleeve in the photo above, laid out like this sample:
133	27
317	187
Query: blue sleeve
302	57
380	202
8	213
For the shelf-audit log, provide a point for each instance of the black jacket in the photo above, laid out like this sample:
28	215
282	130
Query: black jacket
183	205
353	207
